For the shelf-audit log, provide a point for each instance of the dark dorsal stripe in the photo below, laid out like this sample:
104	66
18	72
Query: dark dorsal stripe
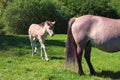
42	24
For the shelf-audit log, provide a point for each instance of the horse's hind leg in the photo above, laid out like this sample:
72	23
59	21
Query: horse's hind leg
87	56
79	59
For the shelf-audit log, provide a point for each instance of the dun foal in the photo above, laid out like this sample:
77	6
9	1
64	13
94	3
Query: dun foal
39	31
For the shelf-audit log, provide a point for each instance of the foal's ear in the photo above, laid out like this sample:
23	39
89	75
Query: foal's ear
53	22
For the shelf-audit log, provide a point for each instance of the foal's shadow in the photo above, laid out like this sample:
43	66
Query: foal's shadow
55	43
109	74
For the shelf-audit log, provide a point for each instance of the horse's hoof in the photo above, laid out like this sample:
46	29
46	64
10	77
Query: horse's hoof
93	73
81	73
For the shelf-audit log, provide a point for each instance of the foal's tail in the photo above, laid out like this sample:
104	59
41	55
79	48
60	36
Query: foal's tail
71	48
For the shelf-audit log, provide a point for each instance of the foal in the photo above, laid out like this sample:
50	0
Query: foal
39	31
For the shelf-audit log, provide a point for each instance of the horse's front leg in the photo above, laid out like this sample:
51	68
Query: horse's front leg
79	60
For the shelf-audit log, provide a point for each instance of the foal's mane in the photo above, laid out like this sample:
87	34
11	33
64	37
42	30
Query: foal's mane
42	24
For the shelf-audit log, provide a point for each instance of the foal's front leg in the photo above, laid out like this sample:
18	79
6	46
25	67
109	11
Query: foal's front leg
41	52
43	49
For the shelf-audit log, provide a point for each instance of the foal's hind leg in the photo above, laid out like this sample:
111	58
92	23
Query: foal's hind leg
33	45
41	52
87	56
31	41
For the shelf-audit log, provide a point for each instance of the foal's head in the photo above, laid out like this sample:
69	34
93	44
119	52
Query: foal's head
49	27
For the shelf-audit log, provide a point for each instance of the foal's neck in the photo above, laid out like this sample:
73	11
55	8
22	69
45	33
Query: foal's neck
44	33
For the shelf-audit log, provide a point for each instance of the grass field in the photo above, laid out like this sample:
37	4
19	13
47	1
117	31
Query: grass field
16	62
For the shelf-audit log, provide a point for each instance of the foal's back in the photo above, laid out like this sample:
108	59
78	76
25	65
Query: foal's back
35	29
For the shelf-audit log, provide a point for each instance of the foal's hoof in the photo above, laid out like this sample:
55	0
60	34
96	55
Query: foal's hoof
47	59
35	51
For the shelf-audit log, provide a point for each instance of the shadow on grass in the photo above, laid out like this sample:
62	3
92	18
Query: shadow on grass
57	58
9	41
109	74
19	43
55	43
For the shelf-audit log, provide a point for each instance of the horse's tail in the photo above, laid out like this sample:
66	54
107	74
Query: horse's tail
71	48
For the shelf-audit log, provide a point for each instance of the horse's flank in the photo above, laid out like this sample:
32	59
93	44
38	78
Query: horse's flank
102	32
106	34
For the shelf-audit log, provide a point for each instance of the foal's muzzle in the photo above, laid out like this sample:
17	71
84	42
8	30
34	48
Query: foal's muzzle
51	34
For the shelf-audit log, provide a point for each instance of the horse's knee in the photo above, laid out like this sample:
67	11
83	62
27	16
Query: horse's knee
87	55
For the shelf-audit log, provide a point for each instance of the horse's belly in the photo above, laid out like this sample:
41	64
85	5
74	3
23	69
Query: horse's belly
111	45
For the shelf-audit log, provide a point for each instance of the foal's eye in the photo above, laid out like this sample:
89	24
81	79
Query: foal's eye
50	28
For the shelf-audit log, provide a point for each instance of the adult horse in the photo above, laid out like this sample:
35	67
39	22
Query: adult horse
103	33
39	31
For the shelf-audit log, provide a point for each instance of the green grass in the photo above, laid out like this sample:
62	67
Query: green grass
17	63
